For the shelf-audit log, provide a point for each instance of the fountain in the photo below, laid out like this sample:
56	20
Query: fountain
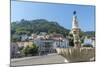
77	53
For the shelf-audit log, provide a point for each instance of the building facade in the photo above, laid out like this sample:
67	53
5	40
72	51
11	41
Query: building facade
48	44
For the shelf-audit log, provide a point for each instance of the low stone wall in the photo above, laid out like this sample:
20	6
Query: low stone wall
77	54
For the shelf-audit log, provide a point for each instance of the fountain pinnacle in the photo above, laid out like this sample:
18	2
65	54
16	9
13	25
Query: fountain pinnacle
75	30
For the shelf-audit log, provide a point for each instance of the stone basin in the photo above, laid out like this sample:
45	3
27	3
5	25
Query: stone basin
75	54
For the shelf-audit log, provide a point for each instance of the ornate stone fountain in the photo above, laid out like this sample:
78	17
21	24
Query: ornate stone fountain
77	53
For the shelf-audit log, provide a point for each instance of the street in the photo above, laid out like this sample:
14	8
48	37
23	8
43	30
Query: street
38	60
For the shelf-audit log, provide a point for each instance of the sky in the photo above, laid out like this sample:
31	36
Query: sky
61	13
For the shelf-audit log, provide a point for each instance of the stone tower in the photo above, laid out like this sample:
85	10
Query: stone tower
75	31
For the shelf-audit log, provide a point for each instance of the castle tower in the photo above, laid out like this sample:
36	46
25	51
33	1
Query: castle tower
75	30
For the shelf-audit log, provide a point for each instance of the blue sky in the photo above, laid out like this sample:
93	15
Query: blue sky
61	13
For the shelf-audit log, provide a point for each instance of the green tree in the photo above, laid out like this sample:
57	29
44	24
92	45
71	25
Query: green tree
30	50
25	50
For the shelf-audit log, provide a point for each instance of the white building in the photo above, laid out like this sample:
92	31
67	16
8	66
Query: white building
59	41
50	43
33	36
24	37
45	45
89	41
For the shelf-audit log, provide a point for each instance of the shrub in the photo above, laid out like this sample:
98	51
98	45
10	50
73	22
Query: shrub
30	50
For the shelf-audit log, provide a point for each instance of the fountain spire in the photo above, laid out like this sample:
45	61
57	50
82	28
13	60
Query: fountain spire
74	21
75	30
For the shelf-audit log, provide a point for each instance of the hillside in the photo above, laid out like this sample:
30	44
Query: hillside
37	26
